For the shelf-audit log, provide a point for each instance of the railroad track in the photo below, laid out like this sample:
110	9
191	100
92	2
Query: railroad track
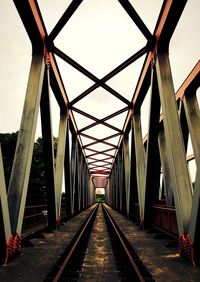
99	252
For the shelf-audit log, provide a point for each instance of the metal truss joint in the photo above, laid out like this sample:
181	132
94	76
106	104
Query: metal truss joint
47	58
186	247
13	248
58	222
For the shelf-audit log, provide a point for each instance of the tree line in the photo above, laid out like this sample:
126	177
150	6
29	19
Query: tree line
37	183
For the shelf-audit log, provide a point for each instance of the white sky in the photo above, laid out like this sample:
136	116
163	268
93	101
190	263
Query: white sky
100	36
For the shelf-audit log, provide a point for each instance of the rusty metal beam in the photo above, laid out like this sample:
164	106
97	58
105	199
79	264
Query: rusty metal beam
31	18
98	82
64	19
169	16
136	18
166	24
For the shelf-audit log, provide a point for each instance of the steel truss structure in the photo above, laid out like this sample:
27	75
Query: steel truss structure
131	175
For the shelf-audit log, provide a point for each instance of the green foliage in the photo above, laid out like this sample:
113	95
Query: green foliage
37	193
8	144
100	198
37	183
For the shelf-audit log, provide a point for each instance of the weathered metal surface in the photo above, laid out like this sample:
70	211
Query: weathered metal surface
133	177
4	203
165	167
152	176
174	143
127	171
60	161
48	150
22	162
140	164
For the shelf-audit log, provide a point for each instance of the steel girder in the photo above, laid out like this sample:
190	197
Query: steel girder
59	167
165	167
127	171
168	139
192	113
140	164
152	174
22	161
48	150
168	136
5	225
174	143
67	175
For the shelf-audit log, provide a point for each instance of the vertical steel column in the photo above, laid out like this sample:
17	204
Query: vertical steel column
24	149
123	185
116	183
133	176
127	170
76	180
48	150
5	228
140	163
108	192
60	162
152	153
79	176
122	192
87	190
113	191
86	185
87	179
73	170
111	185
184	125
67	165
83	176
165	167
193	120
91	191
175	146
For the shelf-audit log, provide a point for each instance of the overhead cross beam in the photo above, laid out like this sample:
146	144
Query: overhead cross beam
64	19
99	121
98	82
136	18
165	26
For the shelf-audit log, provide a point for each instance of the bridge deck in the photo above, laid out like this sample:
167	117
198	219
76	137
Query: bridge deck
35	262
163	262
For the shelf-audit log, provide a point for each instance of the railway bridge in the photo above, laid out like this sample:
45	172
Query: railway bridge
141	149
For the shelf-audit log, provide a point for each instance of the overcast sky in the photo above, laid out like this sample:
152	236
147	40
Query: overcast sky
100	36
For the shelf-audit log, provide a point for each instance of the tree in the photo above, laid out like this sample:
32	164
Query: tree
8	143
37	183
37	193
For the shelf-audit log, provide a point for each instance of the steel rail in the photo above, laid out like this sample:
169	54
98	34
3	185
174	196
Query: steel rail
74	245
127	250
56	275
